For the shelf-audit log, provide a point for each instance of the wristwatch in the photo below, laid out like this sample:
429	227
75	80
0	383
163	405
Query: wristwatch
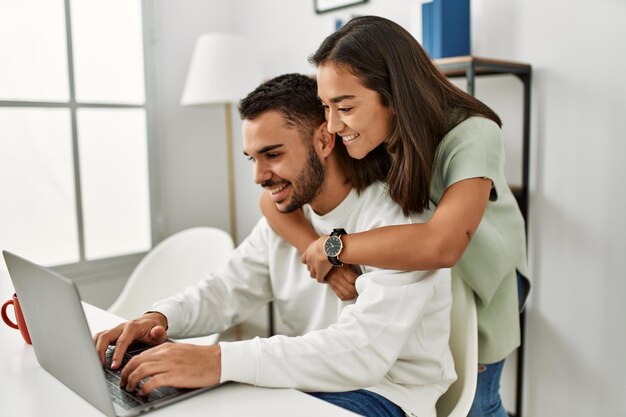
333	246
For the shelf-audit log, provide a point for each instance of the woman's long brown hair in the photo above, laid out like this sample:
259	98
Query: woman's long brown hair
387	59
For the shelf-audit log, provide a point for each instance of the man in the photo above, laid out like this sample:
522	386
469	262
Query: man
385	353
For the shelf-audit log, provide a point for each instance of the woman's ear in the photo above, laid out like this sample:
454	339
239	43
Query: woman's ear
324	140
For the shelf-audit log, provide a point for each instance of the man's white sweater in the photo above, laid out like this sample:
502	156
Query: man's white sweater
392	340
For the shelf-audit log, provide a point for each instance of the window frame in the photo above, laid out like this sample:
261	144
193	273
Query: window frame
123	264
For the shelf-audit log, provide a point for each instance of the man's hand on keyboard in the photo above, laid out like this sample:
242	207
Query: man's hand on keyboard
149	328
179	365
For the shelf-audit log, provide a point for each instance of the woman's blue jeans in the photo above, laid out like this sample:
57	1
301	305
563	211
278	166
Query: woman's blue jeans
487	402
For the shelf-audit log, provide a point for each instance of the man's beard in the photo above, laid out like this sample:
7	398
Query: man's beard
310	182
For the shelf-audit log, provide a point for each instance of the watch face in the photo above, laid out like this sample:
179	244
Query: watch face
332	246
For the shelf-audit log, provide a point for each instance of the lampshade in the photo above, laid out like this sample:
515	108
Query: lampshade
223	69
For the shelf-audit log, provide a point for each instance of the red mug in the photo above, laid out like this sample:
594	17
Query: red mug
19	318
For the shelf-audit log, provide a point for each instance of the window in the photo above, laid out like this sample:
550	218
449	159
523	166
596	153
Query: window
73	130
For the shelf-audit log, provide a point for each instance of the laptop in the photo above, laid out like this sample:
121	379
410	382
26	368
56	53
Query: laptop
64	346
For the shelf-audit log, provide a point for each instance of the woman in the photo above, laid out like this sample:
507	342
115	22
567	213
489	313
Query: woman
378	86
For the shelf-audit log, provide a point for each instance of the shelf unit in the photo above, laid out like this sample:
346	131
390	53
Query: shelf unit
471	67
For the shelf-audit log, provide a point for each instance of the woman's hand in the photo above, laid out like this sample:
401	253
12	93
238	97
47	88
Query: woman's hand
316	260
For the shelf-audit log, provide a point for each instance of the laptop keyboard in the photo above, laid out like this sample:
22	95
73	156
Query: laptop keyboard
129	400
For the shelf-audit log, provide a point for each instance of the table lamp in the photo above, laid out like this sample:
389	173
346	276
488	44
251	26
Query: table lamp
223	70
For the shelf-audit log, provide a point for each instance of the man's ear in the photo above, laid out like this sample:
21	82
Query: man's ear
324	140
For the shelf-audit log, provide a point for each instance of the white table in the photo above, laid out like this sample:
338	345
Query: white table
27	390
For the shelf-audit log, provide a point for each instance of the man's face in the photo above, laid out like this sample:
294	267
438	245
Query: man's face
285	162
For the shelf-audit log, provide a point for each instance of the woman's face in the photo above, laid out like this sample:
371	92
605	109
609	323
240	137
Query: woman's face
353	111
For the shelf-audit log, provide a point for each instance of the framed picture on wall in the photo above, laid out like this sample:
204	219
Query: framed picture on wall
323	6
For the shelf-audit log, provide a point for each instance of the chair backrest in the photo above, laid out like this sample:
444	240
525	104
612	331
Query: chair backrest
179	261
457	401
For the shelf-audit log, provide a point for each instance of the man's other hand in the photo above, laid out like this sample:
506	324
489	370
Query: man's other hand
341	281
149	328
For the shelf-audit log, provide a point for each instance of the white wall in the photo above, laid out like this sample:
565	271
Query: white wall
288	31
190	142
576	339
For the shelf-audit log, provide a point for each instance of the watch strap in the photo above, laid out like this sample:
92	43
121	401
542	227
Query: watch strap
334	260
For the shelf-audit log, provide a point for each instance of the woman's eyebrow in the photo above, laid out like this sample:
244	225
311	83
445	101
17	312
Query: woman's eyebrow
339	99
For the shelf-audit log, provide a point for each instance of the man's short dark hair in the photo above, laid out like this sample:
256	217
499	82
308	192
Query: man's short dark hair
294	95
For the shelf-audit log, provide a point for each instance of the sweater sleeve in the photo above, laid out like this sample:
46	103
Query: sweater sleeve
224	298
356	352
